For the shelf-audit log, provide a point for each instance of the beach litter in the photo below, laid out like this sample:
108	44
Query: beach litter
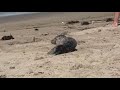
72	22
7	37
109	19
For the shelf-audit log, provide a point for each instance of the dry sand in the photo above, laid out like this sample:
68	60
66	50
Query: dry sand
97	55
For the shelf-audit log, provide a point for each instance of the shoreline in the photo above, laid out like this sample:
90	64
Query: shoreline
53	16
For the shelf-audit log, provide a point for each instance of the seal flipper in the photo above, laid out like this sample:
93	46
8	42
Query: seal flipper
60	49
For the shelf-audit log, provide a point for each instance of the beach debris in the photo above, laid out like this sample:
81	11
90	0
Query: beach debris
63	45
109	19
7	37
72	22
63	22
36	29
85	23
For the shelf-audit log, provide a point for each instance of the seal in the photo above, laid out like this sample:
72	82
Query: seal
63	45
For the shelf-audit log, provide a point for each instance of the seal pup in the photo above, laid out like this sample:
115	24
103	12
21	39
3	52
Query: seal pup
63	45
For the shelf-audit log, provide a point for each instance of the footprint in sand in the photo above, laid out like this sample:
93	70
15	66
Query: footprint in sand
72	22
36	29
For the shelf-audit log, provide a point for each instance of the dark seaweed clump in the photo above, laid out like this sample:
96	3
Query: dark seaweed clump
7	37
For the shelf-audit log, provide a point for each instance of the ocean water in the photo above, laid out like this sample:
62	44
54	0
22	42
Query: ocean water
3	14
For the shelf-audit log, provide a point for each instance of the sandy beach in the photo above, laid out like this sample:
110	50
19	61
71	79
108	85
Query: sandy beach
25	56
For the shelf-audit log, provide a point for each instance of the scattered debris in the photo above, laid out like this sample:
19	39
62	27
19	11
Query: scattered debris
36	29
72	22
63	22
7	37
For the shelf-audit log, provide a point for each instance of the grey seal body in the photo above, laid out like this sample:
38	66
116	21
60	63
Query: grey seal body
58	39
63	45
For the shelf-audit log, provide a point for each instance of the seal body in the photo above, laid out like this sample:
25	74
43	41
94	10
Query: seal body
63	45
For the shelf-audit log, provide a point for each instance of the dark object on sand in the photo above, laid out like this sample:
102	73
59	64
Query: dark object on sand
72	22
4	31
109	19
36	29
7	37
63	45
85	23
